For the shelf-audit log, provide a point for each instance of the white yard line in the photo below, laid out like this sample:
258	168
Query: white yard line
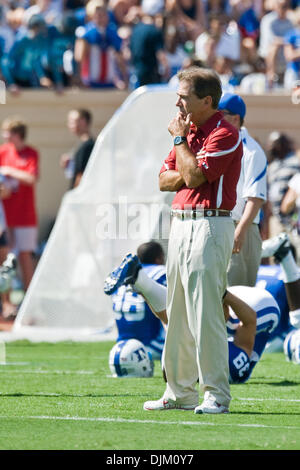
147	421
78	372
291	400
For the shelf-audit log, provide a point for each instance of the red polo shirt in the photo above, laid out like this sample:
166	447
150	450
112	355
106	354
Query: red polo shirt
218	148
20	210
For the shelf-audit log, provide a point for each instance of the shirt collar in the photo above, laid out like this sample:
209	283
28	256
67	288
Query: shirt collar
208	126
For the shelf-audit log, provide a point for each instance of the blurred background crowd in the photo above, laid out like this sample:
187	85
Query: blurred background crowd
253	44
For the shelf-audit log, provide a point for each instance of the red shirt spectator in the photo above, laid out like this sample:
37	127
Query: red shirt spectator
20	207
20	164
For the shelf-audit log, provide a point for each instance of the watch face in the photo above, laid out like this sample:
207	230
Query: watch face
178	139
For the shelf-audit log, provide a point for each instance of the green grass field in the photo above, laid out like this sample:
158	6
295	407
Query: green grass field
60	397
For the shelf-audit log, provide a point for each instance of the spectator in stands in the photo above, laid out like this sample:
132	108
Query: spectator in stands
283	164
50	10
175	51
273	28
190	17
248	23
222	39
24	65
98	50
148	56
20	162
292	53
118	10
62	64
74	163
10	22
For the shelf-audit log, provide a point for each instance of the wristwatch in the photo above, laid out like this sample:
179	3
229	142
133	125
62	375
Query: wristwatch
179	139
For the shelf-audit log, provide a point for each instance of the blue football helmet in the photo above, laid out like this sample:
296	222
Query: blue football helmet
291	346
129	358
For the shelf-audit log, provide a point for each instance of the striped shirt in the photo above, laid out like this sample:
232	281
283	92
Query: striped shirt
279	174
99	67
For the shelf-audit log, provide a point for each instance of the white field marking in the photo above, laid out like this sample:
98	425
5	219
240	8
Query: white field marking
268	399
37	371
15	363
147	421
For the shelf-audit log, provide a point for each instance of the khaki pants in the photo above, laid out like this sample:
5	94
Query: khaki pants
243	266
196	341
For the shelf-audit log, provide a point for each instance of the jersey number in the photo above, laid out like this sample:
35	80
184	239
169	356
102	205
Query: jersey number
241	363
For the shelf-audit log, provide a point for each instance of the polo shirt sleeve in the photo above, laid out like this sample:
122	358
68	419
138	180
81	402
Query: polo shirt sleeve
170	162
218	152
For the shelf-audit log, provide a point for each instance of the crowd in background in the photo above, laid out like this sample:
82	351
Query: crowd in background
254	44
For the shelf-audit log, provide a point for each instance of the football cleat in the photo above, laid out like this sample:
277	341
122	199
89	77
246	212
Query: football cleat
166	404
278	246
210	406
124	274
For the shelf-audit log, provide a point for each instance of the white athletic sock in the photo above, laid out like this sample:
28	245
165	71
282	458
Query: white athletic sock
291	272
154	293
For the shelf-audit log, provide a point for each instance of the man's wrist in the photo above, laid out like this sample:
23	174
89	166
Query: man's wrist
179	139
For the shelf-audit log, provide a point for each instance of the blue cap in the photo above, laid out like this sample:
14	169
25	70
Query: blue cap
233	103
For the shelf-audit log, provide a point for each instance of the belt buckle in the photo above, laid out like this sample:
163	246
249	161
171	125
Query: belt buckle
209	213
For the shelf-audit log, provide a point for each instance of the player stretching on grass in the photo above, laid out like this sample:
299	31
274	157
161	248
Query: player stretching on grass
251	314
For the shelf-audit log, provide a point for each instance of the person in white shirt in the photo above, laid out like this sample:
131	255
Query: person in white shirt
251	195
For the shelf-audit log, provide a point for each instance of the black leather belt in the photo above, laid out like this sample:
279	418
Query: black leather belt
199	213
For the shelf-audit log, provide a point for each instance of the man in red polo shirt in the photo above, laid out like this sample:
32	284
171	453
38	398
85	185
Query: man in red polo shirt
20	163
203	169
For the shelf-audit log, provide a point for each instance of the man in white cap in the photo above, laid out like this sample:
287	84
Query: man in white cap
251	195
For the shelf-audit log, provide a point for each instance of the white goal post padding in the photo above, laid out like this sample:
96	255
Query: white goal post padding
116	207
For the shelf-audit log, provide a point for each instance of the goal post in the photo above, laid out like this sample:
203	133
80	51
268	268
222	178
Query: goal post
116	207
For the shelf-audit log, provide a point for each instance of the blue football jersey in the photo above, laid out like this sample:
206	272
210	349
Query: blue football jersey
134	318
239	364
270	277
267	320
